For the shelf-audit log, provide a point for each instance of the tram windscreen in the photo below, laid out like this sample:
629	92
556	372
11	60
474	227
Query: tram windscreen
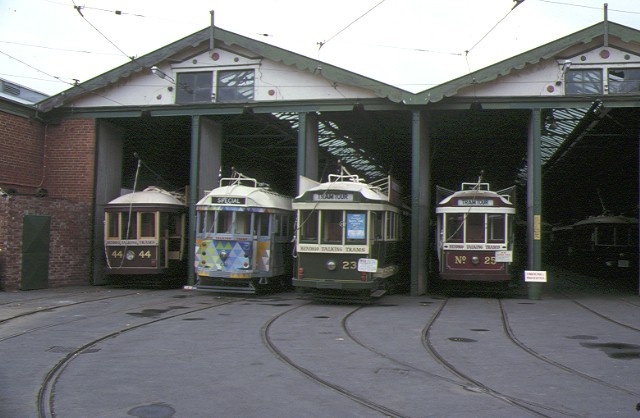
454	230
243	223
129	225
475	227
147	225
308	224
113	225
332	226
496	228
224	222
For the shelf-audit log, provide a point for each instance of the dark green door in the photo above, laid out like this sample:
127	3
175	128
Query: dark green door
35	252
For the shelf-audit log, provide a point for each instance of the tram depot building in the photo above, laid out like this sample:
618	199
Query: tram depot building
560	121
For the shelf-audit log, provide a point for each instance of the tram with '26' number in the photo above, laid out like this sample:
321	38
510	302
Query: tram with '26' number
243	238
349	238
475	233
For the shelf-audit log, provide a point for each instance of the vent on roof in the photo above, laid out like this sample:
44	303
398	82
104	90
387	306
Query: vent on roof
11	89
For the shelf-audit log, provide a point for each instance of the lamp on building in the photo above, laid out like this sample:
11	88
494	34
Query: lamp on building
158	72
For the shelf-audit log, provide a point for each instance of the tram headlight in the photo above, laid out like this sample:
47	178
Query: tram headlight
475	259
130	255
331	265
223	255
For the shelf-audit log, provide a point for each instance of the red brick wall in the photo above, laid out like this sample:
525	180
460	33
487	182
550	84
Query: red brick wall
61	159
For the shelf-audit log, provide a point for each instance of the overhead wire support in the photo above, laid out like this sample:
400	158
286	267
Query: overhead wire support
323	43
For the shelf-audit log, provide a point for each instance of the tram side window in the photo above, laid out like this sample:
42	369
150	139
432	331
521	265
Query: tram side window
308	224
129	226
356	227
378	224
332	227
454	223
263	223
224	222
174	224
475	227
113	224
243	223
496	228
147	225
605	235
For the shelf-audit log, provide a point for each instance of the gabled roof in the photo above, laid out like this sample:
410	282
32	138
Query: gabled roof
547	51
200	41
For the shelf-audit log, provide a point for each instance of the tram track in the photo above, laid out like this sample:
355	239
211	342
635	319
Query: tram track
512	337
46	392
474	385
60	306
270	344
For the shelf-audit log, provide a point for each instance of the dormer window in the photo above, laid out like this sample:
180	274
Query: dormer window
624	80
235	86
194	87
231	86
587	81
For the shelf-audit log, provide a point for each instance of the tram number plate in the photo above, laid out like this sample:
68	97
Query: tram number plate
623	263
368	265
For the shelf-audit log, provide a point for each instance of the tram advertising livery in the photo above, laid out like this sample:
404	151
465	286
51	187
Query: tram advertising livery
145	235
475	233
348	238
243	238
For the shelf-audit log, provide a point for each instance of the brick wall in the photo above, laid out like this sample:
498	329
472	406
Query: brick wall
61	160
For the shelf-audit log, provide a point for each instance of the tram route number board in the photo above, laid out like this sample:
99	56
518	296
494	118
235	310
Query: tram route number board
368	265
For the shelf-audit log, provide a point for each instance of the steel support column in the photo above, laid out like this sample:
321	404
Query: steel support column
534	201
420	199
193	197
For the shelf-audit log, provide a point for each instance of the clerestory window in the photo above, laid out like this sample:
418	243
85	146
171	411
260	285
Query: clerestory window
587	81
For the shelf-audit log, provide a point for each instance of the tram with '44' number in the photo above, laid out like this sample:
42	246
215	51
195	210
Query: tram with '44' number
475	233
349	238
145	238
243	238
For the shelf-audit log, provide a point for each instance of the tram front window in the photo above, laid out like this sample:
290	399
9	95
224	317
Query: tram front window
475	227
147	225
496	228
224	222
243	223
113	225
308	224
129	225
454	227
332	227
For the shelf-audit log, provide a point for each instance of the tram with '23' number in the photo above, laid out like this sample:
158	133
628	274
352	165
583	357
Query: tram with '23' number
243	238
348	238
145	238
475	233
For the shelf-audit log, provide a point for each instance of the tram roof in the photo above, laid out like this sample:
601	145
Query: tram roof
151	196
240	195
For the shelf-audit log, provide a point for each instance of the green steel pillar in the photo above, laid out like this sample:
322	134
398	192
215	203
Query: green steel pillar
534	202
193	197
420	199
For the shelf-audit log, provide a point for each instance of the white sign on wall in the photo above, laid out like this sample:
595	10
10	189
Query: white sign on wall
535	276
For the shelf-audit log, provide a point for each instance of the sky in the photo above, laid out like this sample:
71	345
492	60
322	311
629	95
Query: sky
48	45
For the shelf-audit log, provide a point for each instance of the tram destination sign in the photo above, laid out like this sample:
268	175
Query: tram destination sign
475	202
333	197
226	200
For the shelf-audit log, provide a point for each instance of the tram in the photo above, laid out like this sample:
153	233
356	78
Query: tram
348	238
605	245
145	235
243	238
475	233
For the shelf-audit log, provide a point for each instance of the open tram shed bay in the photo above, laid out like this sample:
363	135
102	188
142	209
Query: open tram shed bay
560	122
